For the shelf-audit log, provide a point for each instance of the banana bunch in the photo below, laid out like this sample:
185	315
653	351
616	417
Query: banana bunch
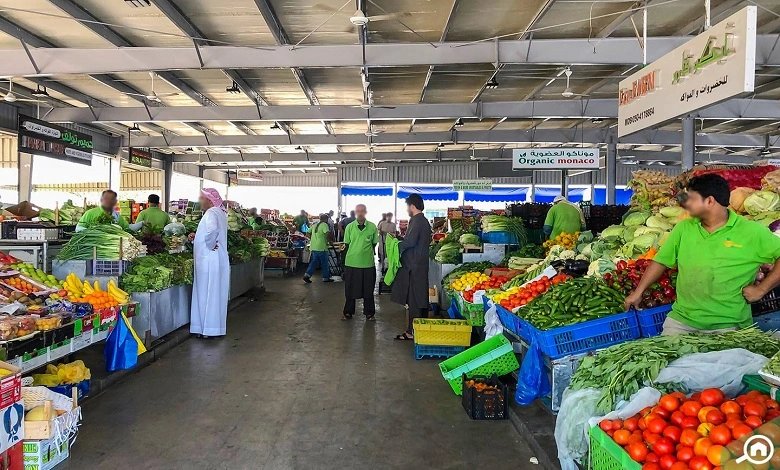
118	294
74	286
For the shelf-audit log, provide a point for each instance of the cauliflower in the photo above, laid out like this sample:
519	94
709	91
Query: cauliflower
567	254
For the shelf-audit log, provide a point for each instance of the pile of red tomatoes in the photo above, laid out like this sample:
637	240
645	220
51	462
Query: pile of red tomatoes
704	432
495	282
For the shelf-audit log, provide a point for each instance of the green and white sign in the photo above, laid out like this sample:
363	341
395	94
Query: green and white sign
140	157
472	185
555	158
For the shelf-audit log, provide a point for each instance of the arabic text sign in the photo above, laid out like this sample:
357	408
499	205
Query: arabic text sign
555	158
472	185
42	138
140	157
716	65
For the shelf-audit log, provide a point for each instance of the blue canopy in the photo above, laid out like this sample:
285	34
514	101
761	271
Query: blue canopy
622	196
366	190
516	194
548	194
429	193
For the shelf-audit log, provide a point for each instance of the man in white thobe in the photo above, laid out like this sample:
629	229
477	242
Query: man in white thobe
212	269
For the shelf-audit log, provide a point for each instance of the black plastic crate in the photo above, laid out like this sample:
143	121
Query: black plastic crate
58	335
492	403
770	303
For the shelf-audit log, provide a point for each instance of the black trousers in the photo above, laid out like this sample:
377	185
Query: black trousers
369	308
421	313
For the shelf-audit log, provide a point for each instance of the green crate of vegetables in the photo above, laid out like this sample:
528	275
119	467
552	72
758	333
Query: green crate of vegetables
474	313
606	454
492	356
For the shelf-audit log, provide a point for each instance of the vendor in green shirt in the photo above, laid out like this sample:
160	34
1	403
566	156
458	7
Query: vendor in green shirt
360	237
563	217
153	216
300	220
104	214
718	254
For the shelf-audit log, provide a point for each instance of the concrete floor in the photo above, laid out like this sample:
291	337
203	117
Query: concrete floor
292	387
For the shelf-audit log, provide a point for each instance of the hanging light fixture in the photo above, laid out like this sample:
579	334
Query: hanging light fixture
459	122
492	84
135	128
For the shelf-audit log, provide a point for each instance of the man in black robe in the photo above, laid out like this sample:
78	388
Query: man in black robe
410	287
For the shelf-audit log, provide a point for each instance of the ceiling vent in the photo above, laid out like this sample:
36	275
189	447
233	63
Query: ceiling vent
138	3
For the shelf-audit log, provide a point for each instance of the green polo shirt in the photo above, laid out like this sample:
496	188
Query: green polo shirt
360	253
563	218
319	236
714	268
155	217
97	215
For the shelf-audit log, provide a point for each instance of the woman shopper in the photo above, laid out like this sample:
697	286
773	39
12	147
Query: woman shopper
208	312
410	287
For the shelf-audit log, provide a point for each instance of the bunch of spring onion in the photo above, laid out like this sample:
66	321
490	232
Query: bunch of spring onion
105	242
500	223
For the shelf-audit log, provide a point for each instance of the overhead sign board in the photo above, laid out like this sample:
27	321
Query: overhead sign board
555	158
472	185
714	66
140	157
42	138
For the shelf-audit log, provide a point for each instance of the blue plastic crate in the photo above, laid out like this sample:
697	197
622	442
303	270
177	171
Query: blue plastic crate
511	322
651	320
585	336
422	351
499	238
454	312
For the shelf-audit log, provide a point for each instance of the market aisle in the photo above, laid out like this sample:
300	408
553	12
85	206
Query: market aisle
292	386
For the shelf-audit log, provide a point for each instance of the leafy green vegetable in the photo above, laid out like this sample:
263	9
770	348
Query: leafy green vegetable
527	251
158	272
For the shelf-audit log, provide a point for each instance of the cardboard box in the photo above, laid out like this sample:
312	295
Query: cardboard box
59	350
44	454
12	432
35	359
82	341
13	458
10	386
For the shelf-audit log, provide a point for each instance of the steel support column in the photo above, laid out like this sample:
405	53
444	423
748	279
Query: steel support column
611	175
688	142
565	183
25	176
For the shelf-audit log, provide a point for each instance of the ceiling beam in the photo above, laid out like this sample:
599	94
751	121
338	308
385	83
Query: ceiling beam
745	109
537	136
772	27
610	51
461	155
717	13
619	19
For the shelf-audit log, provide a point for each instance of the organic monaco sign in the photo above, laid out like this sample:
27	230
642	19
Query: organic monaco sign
555	158
714	66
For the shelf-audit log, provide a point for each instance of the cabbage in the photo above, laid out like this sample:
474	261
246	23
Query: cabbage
586	249
672	212
600	267
630	232
636	218
469	239
762	201
613	231
642	230
737	198
644	242
585	237
658	221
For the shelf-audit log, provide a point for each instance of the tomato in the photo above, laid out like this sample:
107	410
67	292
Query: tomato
754	409
617	424
650	438
621	436
680	396
754	421
637	452
741	430
645	411
677	417
684	453
673	433
702	446
772	414
651	466
666	461
663	446
717	454
730	406
696	397
700	462
733	422
705	428
662	412
690	408
635	438
742	400
669	402
679	466
690	422
656	425
631	424
652	457
720	435
689	437
702	414
715	417
605	425
712	397
772	404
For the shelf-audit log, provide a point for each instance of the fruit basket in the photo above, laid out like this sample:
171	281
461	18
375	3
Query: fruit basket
606	454
435	332
485	398
492	356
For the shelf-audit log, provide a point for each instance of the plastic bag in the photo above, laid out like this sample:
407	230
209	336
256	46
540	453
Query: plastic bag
717	369
453	311
122	346
532	381
305	228
493	325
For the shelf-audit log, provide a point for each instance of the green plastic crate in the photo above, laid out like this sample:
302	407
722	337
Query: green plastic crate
606	454
474	313
755	382
493	356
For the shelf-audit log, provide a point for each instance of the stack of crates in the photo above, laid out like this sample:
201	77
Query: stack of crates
437	338
126	210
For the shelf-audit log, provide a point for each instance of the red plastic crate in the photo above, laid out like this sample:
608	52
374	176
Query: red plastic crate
10	386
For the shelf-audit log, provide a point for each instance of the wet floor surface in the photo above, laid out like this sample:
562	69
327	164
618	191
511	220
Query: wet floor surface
292	387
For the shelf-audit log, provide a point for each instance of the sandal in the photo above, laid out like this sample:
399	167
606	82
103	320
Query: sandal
405	336
346	316
370	318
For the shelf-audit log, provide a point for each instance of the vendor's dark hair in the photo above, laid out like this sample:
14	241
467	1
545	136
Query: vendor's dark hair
154	199
416	201
708	185
109	191
323	217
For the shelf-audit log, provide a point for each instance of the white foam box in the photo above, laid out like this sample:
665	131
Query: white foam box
82	341
492	256
12	432
43	455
